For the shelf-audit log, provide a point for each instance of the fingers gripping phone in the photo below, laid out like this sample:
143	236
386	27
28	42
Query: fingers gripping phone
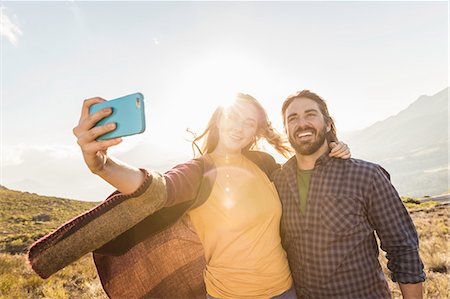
127	113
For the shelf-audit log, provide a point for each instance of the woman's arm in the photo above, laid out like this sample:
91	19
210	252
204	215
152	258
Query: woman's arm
339	150
124	178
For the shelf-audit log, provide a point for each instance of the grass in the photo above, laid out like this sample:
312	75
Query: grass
413	203
433	227
25	217
78	280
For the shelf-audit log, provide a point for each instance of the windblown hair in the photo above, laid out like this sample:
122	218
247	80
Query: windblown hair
264	130
332	135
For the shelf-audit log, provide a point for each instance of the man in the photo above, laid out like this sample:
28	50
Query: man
331	210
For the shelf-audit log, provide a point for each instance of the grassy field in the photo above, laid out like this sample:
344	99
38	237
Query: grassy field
25	217
433	227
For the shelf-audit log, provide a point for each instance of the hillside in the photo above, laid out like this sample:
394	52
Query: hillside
25	217
412	146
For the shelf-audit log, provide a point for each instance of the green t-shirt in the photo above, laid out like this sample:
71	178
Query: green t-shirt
303	177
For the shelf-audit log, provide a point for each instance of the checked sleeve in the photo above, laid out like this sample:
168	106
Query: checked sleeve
395	229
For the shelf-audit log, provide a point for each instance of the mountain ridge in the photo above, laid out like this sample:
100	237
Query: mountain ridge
410	145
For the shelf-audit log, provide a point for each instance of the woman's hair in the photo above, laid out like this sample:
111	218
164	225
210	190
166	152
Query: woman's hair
264	130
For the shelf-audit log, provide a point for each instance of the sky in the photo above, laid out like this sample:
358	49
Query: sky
369	60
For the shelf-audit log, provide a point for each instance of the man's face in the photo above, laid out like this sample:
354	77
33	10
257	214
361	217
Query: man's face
305	126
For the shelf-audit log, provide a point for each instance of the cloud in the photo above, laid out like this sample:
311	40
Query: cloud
59	170
16	155
77	13
8	29
53	170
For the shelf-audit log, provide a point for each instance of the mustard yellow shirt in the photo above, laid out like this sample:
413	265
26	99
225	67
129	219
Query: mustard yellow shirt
239	227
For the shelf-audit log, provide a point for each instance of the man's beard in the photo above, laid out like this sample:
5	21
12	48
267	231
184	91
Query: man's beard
308	148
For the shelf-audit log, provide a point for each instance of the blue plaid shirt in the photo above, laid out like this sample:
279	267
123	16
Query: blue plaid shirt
332	248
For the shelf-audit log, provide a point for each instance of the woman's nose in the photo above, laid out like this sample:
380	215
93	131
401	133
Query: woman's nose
237	126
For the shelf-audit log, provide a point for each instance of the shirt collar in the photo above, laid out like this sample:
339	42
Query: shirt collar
321	161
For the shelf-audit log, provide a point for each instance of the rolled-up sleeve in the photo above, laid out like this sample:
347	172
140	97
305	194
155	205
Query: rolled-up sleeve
395	229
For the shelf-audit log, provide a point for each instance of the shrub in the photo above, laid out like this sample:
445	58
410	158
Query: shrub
41	217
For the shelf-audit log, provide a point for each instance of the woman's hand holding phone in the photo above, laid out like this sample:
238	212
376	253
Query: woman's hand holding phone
124	178
94	152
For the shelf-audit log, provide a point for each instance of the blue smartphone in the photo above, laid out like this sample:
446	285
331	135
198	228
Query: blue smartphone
127	113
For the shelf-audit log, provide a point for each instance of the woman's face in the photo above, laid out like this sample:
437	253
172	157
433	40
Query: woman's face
237	127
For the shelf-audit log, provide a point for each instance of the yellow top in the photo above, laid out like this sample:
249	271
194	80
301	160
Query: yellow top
239	227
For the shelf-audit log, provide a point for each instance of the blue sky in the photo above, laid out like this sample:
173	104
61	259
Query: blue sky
369	60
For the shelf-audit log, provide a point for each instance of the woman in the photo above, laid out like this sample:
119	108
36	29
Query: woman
215	217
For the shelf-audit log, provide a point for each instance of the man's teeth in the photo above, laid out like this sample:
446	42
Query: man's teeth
304	134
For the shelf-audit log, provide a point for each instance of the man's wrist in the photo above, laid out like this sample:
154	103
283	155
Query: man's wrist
411	290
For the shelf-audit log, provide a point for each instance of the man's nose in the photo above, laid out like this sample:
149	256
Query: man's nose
301	121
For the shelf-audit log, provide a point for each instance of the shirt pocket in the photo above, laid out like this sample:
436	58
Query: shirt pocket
342	214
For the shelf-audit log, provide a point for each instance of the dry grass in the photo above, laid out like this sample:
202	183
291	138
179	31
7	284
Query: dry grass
433	228
25	217
78	280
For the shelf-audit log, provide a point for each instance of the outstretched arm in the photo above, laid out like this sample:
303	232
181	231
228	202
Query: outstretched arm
124	178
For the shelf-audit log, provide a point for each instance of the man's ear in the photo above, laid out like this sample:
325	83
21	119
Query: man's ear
328	127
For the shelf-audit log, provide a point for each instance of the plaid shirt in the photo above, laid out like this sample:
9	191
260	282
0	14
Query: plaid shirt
332	249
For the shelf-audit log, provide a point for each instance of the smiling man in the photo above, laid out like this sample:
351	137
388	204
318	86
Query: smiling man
331	211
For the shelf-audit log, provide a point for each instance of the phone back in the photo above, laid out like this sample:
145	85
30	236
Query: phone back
127	113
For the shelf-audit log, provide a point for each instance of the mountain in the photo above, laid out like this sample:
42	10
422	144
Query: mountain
412	146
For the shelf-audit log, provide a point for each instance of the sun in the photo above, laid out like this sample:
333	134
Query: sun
217	75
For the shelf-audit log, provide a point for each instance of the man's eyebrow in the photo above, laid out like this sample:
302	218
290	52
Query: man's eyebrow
291	114
306	111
